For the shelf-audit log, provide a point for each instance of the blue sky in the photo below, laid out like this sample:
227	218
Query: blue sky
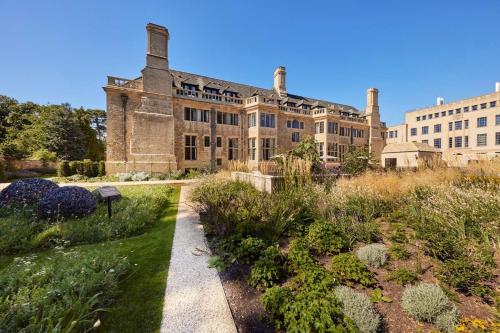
413	51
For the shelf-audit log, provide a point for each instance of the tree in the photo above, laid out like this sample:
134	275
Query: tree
93	142
306	149
356	160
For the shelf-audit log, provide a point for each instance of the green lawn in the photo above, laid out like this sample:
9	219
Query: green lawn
138	307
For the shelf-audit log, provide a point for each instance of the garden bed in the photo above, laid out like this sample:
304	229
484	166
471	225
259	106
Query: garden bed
118	264
416	250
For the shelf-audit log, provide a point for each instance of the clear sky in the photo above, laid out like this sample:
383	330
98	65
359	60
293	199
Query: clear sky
413	51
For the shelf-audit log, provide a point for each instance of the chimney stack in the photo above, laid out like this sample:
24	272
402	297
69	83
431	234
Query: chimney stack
497	87
280	80
157	49
440	101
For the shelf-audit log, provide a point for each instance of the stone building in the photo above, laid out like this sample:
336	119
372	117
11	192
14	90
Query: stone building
464	130
167	119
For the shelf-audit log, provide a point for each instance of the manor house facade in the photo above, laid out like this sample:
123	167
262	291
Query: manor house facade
167	119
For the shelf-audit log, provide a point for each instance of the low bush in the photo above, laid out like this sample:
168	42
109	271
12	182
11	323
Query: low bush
63	294
44	155
447	321
249	250
306	311
268	269
26	191
3	171
299	255
426	302
465	273
403	276
358	307
399	252
325	238
398	235
374	255
313	277
347	269
101	169
68	201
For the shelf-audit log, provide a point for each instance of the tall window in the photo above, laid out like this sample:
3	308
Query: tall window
204	115
232	149
268	146
320	127
206	141
437	143
497	119
425	129
450	126
481	140
332	149
481	122
295	124
413	131
450	142
320	146
342	150
190	114
458	142
458	125
295	137
190	147
466	124
219	142
345	131
333	127
497	138
437	128
251	149
252	120
267	120
466	141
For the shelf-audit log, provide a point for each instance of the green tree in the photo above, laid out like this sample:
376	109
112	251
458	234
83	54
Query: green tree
87	119
356	160
306	149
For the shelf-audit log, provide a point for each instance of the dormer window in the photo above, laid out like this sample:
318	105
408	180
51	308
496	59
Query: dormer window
306	107
291	104
211	91
187	86
230	93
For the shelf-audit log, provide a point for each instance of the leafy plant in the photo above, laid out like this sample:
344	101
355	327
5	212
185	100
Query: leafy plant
358	307
356	160
378	297
347	268
374	255
275	300
313	277
403	276
249	250
399	251
268	269
219	263
299	255
465	274
63	169
324	237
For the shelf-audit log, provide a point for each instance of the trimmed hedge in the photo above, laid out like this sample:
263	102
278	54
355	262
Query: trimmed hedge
86	168
67	201
26	191
3	171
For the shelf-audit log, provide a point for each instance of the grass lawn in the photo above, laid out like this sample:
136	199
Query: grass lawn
139	304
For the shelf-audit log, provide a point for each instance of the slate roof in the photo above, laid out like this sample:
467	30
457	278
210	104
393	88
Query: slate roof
245	91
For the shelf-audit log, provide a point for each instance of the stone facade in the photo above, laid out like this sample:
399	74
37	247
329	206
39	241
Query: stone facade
462	131
166	119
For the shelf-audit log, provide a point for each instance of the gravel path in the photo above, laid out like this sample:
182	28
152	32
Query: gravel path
96	184
194	298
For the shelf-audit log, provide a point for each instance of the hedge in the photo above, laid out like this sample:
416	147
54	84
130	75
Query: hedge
86	168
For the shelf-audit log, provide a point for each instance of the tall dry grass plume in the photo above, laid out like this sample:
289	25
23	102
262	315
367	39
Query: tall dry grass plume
296	172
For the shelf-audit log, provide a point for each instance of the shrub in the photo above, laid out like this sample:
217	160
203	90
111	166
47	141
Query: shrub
425	302
268	269
447	321
275	300
44	155
348	268
299	255
313	277
76	167
63	169
306	311
38	295
464	274
101	169
398	235
89	168
403	276
26	191
67	201
3	171
140	176
374	255
249	250
399	251
325	238
358	307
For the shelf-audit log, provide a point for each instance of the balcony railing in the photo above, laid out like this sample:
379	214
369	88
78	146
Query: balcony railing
294	110
124	83
260	99
200	95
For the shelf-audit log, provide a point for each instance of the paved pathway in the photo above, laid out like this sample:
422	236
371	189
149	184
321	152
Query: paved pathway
151	182
194	298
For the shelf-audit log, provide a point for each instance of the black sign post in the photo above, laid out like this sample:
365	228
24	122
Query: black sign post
109	193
